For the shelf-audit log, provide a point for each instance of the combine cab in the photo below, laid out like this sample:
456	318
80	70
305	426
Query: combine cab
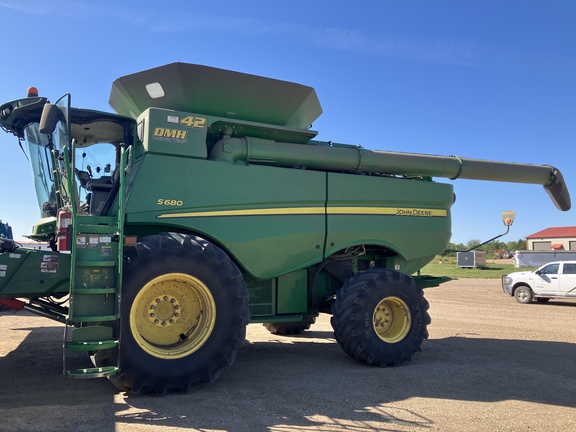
207	203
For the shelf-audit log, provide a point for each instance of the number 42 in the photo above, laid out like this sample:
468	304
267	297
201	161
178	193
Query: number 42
196	122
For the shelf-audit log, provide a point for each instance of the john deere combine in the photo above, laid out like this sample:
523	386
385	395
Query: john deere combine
206	204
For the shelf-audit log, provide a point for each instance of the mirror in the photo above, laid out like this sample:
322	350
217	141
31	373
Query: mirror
49	118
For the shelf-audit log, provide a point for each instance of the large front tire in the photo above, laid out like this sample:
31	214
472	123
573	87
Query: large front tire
380	317
184	315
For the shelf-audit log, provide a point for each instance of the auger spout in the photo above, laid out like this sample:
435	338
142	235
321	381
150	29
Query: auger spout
360	160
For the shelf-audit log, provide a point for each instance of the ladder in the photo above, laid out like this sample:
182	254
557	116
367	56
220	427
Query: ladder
96	248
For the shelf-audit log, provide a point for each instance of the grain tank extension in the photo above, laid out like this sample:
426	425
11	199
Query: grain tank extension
205	204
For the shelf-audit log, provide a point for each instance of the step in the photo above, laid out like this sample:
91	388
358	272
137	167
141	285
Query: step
89	227
97	229
91	318
95	372
108	290
91	345
91	220
107	263
90	338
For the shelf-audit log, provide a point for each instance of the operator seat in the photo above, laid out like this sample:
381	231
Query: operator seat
100	189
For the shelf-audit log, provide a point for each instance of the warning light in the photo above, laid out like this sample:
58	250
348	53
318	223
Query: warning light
508	217
32	92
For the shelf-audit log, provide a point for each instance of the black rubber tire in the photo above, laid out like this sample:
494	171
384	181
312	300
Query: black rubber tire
523	294
175	254
542	299
355	309
291	328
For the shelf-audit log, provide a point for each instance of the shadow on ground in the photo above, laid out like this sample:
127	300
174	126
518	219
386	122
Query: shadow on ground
287	384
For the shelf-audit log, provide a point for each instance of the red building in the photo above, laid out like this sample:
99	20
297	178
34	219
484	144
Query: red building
554	238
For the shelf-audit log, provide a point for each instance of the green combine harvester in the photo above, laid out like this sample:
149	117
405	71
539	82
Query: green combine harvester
211	206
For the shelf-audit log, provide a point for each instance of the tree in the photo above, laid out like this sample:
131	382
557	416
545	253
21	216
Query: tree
495	248
452	249
473	243
516	245
492	248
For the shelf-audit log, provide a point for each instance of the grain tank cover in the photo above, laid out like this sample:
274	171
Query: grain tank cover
217	92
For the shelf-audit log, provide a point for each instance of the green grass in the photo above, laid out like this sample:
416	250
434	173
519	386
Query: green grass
446	266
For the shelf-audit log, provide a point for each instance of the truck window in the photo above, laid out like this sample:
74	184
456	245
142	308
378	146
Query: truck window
550	269
569	268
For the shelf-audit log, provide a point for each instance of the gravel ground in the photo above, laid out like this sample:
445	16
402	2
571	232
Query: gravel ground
490	364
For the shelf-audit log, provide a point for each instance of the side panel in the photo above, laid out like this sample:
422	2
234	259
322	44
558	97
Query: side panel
410	217
270	219
287	294
33	273
293	293
174	132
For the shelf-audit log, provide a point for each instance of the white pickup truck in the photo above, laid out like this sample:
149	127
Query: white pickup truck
553	280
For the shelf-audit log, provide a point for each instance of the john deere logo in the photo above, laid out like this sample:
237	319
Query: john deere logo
170	135
414	212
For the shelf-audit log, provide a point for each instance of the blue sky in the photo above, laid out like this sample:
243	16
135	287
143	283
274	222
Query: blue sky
485	79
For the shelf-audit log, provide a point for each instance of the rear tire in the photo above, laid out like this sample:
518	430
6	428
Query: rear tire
380	317
184	316
291	328
523	294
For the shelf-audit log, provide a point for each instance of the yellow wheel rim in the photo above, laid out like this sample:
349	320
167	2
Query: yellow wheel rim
391	319
172	316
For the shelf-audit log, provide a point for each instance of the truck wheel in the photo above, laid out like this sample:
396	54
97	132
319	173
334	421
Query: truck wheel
523	294
184	315
291	328
380	317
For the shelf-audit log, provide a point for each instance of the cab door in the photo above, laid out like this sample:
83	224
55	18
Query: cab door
546	281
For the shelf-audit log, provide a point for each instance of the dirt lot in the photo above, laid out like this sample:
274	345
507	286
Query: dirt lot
491	364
